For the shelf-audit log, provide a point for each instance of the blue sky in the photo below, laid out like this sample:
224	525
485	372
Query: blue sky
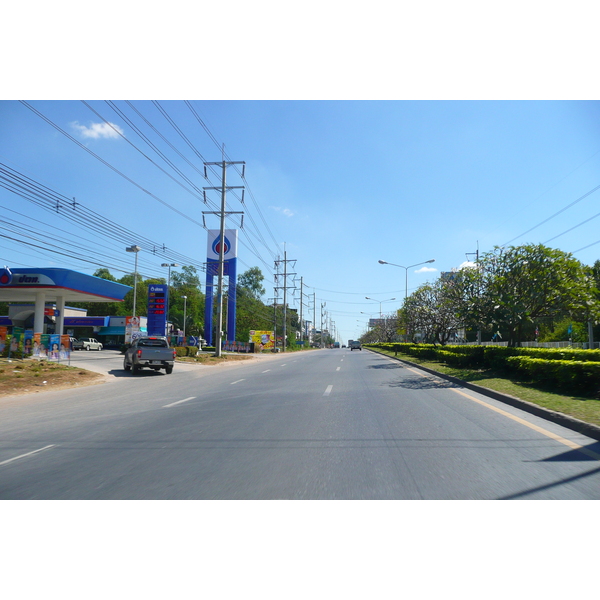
436	164
338	184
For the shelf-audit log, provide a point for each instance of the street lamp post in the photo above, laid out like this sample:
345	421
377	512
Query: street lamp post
134	249
383	262
168	293
184	315
380	303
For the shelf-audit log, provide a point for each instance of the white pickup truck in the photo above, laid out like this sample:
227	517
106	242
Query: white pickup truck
152	352
90	344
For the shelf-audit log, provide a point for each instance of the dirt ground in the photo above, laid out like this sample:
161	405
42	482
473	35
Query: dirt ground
29	376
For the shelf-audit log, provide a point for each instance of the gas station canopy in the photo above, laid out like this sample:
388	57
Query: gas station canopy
25	285
56	285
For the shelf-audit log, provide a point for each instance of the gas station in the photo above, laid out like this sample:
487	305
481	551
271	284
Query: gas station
37	287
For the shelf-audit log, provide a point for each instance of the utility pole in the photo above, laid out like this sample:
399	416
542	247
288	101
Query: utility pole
301	322
274	321
223	164
323	304
314	315
467	254
285	287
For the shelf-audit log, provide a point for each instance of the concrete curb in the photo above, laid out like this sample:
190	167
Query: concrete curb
588	429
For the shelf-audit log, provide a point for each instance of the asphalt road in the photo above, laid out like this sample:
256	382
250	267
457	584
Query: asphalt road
325	424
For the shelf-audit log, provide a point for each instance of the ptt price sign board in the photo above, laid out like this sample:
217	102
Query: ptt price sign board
158	306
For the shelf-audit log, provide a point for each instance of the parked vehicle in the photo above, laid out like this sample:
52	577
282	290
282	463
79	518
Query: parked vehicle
90	344
354	345
76	344
152	352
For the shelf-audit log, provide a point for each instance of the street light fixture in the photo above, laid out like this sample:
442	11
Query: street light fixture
184	315
134	249
383	262
380	303
168	293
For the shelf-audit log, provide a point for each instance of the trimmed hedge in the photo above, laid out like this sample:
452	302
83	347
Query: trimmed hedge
561	354
569	369
569	375
186	350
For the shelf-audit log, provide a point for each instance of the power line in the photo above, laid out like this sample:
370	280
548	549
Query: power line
76	212
574	227
104	162
246	184
60	202
554	215
586	247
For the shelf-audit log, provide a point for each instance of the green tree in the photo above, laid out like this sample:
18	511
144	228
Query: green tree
251	282
187	283
432	310
526	284
252	313
104	273
95	309
564	330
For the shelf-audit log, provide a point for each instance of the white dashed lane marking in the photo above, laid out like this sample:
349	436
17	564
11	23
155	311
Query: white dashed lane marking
178	402
5	462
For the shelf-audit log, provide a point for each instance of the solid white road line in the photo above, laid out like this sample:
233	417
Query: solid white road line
328	390
5	462
179	402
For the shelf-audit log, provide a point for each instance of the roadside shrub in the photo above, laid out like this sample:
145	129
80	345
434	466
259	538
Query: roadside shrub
13	354
567	375
456	359
404	348
466	356
495	357
181	351
561	354
424	351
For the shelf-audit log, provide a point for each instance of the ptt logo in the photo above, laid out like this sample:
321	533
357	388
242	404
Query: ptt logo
27	279
5	276
216	246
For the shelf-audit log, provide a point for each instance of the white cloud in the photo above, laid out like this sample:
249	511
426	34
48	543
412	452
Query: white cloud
284	211
98	130
467	265
426	270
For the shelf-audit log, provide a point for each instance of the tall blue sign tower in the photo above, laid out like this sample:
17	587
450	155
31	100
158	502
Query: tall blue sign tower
212	271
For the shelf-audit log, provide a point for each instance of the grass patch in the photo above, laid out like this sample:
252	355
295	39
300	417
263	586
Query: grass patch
25	376
584	408
210	359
